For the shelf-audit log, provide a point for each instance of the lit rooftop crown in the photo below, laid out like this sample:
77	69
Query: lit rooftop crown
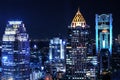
14	22
78	20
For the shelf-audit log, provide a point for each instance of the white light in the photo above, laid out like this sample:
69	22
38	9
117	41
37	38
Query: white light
103	43
35	46
63	42
94	62
8	38
42	67
10	78
10	32
15	22
5	58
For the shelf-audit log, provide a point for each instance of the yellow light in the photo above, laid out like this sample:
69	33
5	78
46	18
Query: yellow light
78	20
104	31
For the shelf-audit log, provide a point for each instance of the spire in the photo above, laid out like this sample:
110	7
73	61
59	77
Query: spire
78	20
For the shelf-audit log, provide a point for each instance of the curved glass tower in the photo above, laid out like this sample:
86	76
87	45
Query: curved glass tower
15	52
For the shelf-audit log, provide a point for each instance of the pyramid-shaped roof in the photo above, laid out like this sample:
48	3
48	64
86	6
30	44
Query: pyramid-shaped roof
78	20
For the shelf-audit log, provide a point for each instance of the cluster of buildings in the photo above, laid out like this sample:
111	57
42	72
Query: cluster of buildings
78	57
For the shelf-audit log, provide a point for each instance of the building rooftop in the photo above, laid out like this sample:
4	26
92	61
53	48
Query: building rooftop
78	20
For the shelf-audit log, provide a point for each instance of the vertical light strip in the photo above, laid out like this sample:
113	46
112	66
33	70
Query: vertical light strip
110	34
96	21
50	53
103	43
61	50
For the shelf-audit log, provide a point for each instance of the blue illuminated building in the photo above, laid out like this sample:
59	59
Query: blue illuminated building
57	49
15	52
57	56
103	32
104	43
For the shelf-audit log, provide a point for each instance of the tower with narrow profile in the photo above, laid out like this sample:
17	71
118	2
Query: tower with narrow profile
15	52
57	49
103	32
57	56
78	33
104	42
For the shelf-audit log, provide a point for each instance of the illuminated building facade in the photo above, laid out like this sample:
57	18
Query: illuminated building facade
104	42
103	32
57	55
116	56
15	52
76	48
37	74
91	69
57	49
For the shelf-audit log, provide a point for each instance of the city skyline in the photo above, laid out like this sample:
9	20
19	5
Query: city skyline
46	19
59	40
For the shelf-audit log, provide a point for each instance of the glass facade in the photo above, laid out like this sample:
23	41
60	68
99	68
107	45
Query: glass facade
15	52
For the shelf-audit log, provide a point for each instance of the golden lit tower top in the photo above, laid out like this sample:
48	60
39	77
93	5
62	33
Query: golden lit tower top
78	20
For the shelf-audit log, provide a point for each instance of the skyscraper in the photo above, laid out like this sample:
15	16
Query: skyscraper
57	56
57	49
15	52
76	48
104	43
103	32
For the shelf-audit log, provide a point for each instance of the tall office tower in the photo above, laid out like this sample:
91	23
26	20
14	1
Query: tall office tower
57	55
76	48
15	52
104	42
103	32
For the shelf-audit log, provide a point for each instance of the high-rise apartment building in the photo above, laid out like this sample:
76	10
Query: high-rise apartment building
15	52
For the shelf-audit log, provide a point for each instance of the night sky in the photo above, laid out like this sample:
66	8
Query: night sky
50	18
